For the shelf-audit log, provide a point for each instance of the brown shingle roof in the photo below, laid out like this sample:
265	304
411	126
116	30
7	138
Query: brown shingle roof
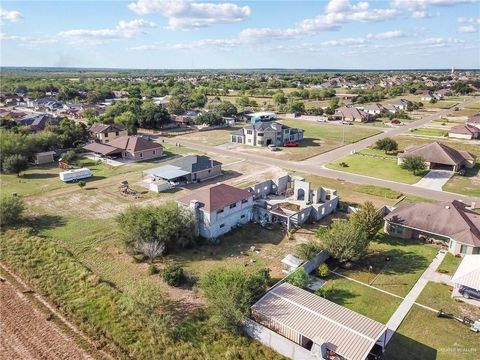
438	153
98	128
474	119
216	197
464	129
450	219
134	143
102	149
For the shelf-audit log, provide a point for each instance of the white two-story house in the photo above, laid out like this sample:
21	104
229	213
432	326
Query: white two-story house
218	209
266	133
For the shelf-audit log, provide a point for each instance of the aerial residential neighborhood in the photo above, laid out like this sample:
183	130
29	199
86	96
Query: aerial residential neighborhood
240	180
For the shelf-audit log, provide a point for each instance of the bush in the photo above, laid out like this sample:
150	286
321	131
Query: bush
69	157
11	209
299	278
82	184
325	292
343	164
322	270
15	164
152	269
173	275
308	250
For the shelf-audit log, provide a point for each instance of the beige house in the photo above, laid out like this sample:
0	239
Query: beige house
439	156
265	134
105	133
350	113
127	147
451	222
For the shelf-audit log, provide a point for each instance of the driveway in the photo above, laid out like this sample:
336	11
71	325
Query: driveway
435	179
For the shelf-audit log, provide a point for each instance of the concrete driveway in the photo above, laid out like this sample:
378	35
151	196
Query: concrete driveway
435	179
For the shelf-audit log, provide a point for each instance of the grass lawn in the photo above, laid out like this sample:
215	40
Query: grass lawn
362	299
424	336
210	137
467	185
438	296
408	260
379	166
449	264
429	132
379	191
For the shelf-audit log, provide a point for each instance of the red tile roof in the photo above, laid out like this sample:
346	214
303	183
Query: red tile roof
216	197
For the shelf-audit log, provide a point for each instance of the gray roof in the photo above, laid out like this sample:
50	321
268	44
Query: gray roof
267	126
167	172
195	163
438	153
344	331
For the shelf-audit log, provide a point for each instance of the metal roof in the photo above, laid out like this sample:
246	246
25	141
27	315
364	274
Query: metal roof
292	261
344	331
468	272
167	172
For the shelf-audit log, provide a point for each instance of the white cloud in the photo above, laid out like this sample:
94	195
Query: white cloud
344	42
394	34
123	30
222	44
186	15
423	4
467	29
10	16
472	20
28	41
420	14
144	47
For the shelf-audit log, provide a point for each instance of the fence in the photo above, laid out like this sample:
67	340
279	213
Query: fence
277	342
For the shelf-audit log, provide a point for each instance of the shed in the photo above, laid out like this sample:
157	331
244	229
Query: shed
292	262
318	324
45	157
468	272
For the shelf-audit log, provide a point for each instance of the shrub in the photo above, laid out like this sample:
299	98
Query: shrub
308	250
325	292
152	269
343	164
173	275
11	209
322	270
15	164
299	278
69	157
82	184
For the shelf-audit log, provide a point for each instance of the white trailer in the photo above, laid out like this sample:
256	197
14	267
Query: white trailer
75	174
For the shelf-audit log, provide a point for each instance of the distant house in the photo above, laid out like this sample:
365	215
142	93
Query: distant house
429	95
439	156
350	113
464	131
390	108
261	117
218	209
474	120
127	147
265	134
37	122
374	109
452	222
190	168
105	133
401	104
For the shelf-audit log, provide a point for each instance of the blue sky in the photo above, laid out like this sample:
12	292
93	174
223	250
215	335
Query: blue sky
165	34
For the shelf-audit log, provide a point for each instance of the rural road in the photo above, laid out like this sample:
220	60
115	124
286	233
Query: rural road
315	165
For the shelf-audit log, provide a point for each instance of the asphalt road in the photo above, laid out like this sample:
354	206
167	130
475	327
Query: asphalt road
315	165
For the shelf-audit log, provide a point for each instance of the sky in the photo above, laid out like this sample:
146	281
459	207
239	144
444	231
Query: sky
182	34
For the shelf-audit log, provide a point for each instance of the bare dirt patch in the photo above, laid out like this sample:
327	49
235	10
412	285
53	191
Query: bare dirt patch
26	333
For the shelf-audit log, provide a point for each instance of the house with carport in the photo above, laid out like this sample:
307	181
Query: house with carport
105	133
451	222
127	148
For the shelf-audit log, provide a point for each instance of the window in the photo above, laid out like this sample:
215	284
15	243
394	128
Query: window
244	201
250	140
260	134
233	206
395	229
106	134
463	249
220	211
476	250
242	217
153	152
260	143
116	133
141	155
221	226
249	132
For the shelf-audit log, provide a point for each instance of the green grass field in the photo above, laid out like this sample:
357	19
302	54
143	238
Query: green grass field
449	264
467	185
408	260
430	132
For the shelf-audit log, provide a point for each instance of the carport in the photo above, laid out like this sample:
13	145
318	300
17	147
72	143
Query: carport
326	329
169	173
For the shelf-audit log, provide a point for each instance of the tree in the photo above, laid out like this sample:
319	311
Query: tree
368	218
230	292
279	98
413	163
297	106
386	144
69	157
225	109
308	250
169	224
11	209
15	164
173	275
345	241
152	249
208	118
128	119
82	184
153	116
299	278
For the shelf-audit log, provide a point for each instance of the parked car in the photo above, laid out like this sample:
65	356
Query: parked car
291	144
273	147
469	293
347	123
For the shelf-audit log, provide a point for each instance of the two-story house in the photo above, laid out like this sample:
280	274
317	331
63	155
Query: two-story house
265	134
218	209
104	133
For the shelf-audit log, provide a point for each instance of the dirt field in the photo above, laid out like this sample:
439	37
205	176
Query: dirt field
26	334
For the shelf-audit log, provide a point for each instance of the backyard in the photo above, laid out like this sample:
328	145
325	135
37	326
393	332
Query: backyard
210	137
